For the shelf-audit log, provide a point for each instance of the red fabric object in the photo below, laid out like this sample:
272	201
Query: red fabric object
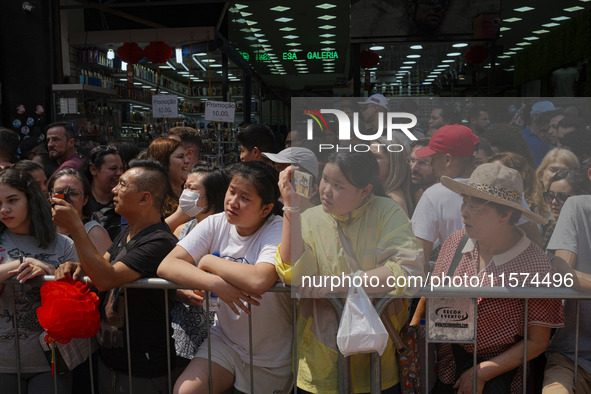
68	310
368	59
158	52
476	54
130	52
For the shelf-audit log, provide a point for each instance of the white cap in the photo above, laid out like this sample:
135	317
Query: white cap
377	99
301	157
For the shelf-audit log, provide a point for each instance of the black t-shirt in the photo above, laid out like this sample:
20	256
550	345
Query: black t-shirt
105	214
146	308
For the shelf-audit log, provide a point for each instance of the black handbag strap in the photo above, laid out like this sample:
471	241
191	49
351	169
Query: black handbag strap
457	256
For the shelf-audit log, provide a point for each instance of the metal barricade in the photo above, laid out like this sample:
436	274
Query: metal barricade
343	362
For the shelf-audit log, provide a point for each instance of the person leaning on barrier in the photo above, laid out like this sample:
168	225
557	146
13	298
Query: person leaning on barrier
135	253
570	243
26	230
494	250
377	232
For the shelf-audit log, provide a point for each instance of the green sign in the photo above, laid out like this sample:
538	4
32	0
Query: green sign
311	55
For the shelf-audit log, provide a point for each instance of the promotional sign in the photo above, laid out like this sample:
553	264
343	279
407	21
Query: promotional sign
220	111
451	319
165	106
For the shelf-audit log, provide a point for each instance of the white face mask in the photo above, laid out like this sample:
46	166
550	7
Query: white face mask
188	203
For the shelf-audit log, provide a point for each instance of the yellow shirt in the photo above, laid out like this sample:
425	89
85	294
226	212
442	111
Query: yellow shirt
380	234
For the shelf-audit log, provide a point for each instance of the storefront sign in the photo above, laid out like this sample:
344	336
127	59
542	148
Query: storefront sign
220	111
165	106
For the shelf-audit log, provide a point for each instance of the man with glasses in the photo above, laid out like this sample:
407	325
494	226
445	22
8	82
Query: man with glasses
422	175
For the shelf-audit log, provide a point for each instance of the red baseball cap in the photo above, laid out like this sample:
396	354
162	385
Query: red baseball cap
457	140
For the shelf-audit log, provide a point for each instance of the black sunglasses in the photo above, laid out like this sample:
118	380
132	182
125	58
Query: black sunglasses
560	197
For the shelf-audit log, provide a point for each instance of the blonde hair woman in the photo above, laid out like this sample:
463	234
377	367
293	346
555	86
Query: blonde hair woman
557	159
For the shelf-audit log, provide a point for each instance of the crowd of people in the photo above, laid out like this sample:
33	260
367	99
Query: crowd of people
464	199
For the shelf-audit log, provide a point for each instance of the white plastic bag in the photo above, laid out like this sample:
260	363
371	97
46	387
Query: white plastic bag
361	330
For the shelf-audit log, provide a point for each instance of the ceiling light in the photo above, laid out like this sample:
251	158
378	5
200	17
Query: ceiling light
216	65
438	70
523	43
516	49
184	72
429	80
279	8
283	20
123	67
179	55
326	6
560	18
410	62
295	50
326	17
532	38
454	54
170	65
505	28
249	23
510	53
435	72
551	24
327	35
208	60
199	63
327	42
184	66
448	61
405	67
523	9
573	9
542	31
200	54
443	65
240	6
416	47
510	20
327	27
460	45
287	29
293	44
376	48
327	49
110	53
413	56
504	57
291	37
427	83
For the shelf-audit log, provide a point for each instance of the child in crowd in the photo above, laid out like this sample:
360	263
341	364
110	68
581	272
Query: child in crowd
232	254
29	246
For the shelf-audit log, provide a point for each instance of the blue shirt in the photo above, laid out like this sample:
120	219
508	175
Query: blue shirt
537	146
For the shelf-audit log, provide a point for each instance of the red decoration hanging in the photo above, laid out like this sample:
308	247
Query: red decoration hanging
68	310
130	52
158	52
476	54
368	59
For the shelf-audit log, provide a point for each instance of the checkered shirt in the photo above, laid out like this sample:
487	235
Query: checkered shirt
500	320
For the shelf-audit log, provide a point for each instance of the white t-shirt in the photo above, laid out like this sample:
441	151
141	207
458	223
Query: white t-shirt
437	214
272	323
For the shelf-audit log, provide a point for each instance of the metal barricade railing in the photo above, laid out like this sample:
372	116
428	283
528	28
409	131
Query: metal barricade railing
338	305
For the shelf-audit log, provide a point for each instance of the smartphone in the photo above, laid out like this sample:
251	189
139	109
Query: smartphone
64	194
302	183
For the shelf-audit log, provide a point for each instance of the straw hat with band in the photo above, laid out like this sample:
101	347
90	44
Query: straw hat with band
495	183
